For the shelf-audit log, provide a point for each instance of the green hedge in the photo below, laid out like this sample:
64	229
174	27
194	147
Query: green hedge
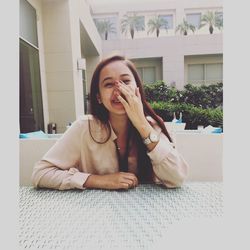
202	96
200	105
191	115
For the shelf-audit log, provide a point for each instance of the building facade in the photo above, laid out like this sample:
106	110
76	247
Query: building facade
175	58
60	46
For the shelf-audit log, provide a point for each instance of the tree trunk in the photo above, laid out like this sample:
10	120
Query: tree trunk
185	33
211	29
106	35
157	32
132	32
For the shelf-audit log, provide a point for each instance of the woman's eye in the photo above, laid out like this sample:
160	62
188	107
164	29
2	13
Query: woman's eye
108	85
126	81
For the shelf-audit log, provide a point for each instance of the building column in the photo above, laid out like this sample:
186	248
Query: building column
172	66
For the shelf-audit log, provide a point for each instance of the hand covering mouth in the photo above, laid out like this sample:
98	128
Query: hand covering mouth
115	100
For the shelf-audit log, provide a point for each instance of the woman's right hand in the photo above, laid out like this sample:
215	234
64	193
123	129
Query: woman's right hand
119	180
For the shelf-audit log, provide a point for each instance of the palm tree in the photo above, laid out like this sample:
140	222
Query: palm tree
156	24
212	20
131	23
105	27
184	27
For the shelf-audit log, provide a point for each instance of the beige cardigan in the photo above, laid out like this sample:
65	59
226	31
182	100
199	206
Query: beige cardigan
75	156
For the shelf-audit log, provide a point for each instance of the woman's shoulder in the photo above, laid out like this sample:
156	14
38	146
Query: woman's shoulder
89	122
88	118
93	126
85	118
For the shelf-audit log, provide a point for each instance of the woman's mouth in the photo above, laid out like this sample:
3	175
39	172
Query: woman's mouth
116	104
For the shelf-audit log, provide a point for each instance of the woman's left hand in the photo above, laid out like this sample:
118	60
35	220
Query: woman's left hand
132	104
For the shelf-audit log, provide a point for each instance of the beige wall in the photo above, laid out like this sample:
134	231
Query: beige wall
178	8
59	64
60	47
172	50
171	46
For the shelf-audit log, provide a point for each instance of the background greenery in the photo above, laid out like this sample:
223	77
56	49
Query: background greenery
200	105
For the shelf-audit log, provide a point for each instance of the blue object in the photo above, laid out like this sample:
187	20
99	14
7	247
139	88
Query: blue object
36	134
217	130
179	121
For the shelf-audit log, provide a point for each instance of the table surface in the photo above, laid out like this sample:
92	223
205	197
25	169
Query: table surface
103	219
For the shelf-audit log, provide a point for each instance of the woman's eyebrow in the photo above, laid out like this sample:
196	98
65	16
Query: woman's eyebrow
125	75
107	78
110	78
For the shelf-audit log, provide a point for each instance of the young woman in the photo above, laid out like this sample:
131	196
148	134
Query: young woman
121	144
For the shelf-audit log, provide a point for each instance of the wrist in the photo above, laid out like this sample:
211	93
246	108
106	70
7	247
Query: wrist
144	128
93	181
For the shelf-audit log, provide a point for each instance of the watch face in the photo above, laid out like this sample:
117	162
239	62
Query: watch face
154	137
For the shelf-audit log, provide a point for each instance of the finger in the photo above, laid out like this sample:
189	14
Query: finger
129	181
130	176
133	179
126	90
124	185
123	101
137	92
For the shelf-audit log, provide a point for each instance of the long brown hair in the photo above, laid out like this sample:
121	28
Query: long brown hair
101	113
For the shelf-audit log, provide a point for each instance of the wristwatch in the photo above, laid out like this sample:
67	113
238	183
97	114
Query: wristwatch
153	137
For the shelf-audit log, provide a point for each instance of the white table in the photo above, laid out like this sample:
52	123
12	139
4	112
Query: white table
102	219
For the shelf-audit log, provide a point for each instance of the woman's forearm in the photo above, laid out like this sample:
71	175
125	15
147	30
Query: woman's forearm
93	181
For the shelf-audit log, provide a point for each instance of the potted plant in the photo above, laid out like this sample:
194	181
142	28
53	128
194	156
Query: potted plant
156	23
212	20
131	23
184	27
105	27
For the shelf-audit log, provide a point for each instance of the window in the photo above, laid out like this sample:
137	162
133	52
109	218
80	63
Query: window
147	74
196	72
107	27
194	19
219	15
214	72
28	29
30	94
205	73
31	106
219	18
169	19
141	23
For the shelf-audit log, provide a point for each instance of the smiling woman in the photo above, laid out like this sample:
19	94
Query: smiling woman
121	144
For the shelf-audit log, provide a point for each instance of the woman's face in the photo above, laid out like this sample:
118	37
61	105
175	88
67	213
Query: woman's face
110	75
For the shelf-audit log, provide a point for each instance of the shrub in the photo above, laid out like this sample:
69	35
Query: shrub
200	105
191	115
160	91
203	96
